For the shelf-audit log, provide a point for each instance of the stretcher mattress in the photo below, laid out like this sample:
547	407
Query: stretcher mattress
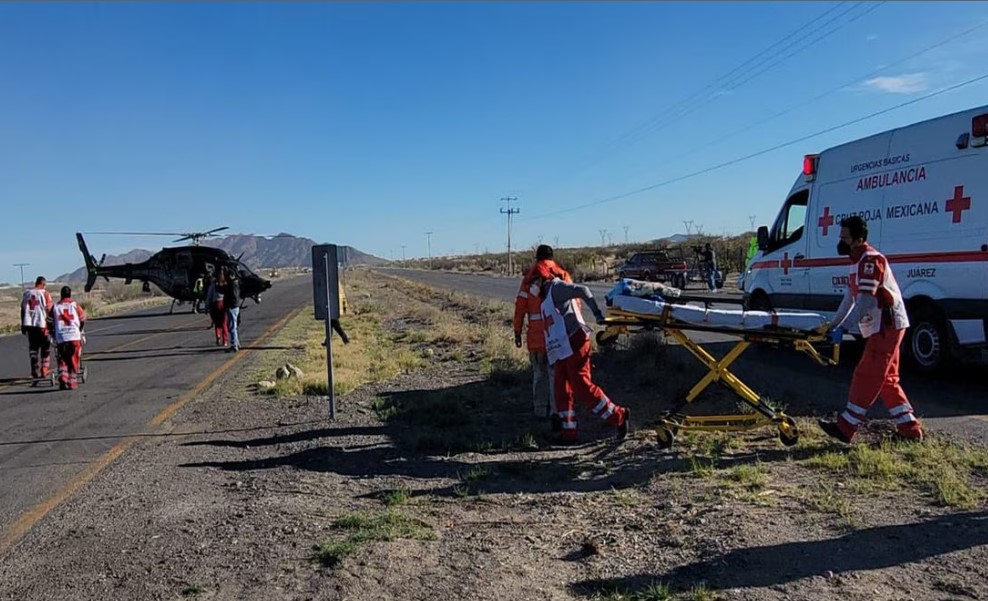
620	298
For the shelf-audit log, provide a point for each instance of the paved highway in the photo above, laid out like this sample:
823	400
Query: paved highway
142	368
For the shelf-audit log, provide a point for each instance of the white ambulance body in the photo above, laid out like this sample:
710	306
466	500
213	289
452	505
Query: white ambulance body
923	190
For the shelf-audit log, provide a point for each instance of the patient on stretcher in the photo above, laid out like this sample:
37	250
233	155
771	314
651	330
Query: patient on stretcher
627	298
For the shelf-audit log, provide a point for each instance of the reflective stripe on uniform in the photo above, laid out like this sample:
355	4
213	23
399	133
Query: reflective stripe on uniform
900	409
569	425
522	294
601	405
565	414
854	409
905	419
608	413
849	418
534	317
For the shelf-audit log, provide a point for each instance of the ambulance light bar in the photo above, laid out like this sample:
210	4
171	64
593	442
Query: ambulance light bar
809	166
979	130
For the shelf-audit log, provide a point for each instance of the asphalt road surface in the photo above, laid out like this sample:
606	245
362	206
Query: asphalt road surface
957	403
142	368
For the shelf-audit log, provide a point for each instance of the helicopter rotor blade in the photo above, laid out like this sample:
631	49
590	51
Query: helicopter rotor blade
136	233
213	232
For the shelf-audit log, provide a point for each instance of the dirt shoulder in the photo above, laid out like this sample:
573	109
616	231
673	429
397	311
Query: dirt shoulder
436	482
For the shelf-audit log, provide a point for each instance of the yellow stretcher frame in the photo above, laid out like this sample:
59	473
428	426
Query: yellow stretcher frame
620	322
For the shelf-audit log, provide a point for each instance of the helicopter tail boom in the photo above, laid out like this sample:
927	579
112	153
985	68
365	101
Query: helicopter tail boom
91	267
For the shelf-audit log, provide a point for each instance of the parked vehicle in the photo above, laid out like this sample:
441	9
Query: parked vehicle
662	265
923	189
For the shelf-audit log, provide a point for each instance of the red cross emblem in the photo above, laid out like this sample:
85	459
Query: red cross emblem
66	317
785	263
826	221
33	302
958	204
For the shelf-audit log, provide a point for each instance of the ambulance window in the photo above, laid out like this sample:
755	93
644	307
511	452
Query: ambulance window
789	228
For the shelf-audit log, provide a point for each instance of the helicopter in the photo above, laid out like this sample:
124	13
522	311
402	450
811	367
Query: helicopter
175	270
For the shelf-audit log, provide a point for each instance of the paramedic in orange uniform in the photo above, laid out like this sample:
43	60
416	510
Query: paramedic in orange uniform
874	301
69	319
528	303
567	342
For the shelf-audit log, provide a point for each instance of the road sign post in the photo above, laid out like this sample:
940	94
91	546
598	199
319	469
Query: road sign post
326	303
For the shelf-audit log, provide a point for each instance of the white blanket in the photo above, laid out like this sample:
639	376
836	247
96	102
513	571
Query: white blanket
720	318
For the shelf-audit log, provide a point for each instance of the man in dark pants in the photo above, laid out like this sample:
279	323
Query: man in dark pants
35	306
231	300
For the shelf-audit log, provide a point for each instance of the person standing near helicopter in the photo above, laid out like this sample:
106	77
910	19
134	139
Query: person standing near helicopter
215	307
231	300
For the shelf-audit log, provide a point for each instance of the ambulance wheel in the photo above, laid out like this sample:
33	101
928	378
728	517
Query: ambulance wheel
927	340
664	437
647	276
759	301
788	433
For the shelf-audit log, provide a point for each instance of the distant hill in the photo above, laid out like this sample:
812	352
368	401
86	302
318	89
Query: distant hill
283	250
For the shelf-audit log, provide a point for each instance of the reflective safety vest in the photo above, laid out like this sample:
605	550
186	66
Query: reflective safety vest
557	344
528	303
34	308
68	321
872	275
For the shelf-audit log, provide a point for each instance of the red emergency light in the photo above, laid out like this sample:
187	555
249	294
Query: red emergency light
979	126
809	164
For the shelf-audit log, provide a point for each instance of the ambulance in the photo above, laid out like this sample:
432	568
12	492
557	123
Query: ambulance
923	190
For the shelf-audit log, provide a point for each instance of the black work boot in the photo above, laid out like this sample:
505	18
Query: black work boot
622	429
833	430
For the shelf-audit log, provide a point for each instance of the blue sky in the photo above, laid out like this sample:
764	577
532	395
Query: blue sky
372	123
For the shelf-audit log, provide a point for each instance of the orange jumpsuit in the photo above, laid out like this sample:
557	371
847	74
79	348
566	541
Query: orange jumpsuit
528	304
873	296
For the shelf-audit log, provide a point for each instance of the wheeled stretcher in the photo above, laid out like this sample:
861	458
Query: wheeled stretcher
627	314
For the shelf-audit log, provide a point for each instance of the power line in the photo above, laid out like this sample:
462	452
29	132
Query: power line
696	103
761	152
803	104
509	212
428	236
710	92
22	266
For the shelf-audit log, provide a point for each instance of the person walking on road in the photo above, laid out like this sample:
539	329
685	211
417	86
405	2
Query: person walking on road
69	321
231	300
873	300
217	313
709	258
35	306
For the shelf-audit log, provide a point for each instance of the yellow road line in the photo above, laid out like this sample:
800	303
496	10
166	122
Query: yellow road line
32	516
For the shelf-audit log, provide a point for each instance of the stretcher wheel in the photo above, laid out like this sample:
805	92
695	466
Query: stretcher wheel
84	374
604	339
664	436
788	433
53	378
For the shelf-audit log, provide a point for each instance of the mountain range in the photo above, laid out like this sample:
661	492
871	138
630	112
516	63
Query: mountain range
283	250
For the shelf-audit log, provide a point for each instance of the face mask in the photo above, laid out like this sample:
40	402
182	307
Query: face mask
843	248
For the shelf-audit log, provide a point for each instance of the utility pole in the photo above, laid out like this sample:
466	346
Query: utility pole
689	227
555	241
625	234
603	236
429	237
22	266
751	218
403	255
610	239
509	212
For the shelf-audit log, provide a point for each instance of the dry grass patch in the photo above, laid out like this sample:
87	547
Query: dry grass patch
361	529
373	354
939	467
